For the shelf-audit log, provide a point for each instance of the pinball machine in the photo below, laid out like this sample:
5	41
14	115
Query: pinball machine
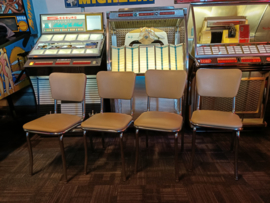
229	35
17	31
71	43
140	39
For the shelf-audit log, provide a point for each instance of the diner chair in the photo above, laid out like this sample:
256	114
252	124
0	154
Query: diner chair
111	85
217	83
64	87
168	84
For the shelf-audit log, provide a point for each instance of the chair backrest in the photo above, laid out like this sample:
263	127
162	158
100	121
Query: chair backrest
165	83
116	85
68	86
218	82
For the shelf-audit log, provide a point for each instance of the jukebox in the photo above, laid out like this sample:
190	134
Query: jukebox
143	39
71	43
232	35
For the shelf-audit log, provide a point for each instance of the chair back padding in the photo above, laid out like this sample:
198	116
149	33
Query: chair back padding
68	86
116	85
218	82
165	83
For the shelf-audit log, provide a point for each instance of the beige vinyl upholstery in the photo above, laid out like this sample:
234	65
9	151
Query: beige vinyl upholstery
218	119
68	86
52	123
116	85
218	82
65	87
168	84
107	122
157	120
165	83
112	85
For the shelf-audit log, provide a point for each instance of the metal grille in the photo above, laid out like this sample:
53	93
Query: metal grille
145	23
247	100
121	34
42	91
121	28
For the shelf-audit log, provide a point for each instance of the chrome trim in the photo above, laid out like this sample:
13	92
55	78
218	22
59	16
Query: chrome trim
234	101
198	102
169	55
47	133
83	109
108	46
180	104
101	105
139	64
194	31
187	53
195	125
55	106
156	129
148	103
266	97
131	106
110	131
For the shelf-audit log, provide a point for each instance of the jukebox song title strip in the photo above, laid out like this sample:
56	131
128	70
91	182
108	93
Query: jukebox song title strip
91	3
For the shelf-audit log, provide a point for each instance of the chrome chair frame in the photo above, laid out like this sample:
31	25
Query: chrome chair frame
235	139
108	131
179	107
60	136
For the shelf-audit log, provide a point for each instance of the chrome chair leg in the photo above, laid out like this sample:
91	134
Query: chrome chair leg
30	154
91	142
85	151
232	143
63	156
146	139
176	157
182	140
237	137
123	158
193	148
137	151
103	141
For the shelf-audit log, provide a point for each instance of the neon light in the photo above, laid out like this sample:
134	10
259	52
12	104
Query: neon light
146	14
205	61
251	60
227	60
166	13
125	15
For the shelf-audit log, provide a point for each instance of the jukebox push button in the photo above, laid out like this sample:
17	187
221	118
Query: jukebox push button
44	63
81	62
251	60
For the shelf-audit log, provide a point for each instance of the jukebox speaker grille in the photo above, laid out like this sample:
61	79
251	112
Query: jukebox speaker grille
248	99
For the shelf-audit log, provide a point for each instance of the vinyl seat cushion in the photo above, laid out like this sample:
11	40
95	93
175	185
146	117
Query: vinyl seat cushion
107	121
158	120
216	119
52	123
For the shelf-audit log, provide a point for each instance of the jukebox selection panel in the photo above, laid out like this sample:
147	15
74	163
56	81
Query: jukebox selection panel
233	49
69	44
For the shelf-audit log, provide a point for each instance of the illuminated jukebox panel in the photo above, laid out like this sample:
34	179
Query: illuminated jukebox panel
140	39
71	43
143	39
232	35
141	58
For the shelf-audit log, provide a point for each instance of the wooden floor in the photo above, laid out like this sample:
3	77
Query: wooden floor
211	181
